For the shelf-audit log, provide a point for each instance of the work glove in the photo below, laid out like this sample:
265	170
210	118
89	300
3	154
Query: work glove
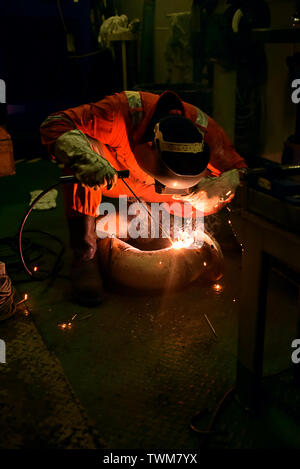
73	149
211	194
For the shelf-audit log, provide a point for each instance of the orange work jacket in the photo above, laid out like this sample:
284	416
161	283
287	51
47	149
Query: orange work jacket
115	126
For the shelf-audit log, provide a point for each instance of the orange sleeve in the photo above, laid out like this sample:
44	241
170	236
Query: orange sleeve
97	120
223	155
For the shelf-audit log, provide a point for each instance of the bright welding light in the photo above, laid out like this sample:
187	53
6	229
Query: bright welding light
185	240
35	269
217	287
188	239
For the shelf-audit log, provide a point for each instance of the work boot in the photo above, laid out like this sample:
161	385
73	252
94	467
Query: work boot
87	286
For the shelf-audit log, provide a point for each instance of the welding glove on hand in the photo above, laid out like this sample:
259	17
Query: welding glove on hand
73	149
210	194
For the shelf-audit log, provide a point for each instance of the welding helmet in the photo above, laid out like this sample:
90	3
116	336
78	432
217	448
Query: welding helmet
178	155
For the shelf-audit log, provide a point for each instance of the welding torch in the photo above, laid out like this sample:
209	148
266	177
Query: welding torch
72	179
122	175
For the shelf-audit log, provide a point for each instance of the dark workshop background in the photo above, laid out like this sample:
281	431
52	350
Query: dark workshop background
139	367
44	74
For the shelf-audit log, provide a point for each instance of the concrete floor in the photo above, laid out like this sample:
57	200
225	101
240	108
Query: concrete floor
137	368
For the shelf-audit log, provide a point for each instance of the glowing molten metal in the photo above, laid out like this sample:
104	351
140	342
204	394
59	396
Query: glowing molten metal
187	240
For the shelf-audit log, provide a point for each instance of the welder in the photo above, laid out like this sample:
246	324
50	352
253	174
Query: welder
172	149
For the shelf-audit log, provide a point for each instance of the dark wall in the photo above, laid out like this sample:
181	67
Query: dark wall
41	75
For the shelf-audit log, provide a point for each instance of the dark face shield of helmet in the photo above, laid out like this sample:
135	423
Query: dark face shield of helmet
177	156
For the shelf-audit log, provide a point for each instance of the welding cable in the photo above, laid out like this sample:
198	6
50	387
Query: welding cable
209	431
32	252
62	180
20	231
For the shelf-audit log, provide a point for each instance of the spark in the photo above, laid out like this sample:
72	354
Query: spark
68	324
35	269
217	287
22	301
210	325
205	264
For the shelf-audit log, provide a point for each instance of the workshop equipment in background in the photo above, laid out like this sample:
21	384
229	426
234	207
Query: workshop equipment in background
7	164
273	192
233	65
288	35
265	246
125	39
271	225
178	50
114	31
291	151
7	304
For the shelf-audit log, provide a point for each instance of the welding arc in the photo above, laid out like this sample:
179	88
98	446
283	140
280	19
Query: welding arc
148	211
